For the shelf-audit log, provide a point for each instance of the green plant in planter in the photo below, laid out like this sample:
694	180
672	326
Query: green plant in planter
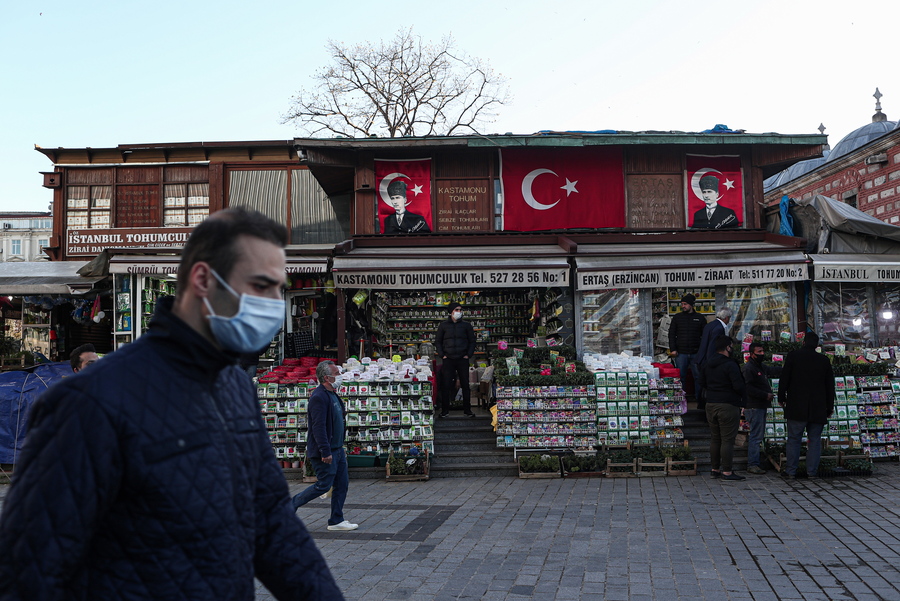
649	455
584	463
538	463
621	456
407	464
308	467
678	452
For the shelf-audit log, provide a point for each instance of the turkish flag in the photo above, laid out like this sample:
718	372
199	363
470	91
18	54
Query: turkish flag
718	178
404	196
562	188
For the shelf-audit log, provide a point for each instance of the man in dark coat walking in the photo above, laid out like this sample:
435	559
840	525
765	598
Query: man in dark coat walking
806	391
455	344
151	475
724	386
711	333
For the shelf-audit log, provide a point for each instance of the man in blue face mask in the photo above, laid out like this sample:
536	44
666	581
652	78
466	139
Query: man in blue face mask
325	447
151	476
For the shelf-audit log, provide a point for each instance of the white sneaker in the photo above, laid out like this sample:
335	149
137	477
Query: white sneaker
345	525
328	494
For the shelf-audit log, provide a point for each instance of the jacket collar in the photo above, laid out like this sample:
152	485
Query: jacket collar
184	346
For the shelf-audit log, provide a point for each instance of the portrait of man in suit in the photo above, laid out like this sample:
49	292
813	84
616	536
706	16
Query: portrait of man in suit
402	221
713	216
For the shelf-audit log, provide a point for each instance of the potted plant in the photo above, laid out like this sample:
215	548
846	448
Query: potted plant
584	466
650	461
621	464
535	465
400	468
680	460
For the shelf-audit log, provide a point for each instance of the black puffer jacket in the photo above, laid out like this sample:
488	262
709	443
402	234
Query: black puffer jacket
150	476
455	339
685	332
723	381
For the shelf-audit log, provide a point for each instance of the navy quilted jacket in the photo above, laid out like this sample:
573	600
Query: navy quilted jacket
150	476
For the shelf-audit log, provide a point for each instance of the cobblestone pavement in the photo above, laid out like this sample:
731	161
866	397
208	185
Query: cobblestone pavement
661	539
658	539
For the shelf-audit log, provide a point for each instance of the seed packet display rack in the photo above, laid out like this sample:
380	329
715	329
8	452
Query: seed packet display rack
546	417
385	417
865	416
381	417
632	407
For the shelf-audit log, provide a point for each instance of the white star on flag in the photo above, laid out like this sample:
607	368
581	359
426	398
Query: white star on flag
569	187
729	184
417	190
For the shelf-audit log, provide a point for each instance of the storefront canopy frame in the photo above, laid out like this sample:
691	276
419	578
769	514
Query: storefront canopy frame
856	268
435	268
44	277
687	264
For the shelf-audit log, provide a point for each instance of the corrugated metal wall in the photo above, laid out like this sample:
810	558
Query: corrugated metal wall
315	218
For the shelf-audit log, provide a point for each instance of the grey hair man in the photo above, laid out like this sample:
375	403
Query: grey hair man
712	330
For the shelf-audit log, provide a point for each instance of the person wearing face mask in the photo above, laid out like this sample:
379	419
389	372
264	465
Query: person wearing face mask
455	344
711	332
325	447
151	475
759	399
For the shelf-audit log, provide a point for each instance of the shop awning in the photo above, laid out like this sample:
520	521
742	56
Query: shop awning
168	265
689	264
44	277
856	268
435	268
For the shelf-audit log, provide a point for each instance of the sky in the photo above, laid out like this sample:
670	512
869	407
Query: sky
98	74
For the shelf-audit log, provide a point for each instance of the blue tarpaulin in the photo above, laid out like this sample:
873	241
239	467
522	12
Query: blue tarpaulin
18	391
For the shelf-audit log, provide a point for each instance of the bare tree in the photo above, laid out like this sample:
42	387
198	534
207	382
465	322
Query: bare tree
403	87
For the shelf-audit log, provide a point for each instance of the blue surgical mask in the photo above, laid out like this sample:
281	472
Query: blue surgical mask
252	327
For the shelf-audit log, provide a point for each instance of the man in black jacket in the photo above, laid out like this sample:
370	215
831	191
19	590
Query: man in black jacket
685	332
806	391
711	333
455	343
724	398
150	475
759	399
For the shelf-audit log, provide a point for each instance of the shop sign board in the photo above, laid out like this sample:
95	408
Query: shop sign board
137	206
161	267
691	276
435	279
857	272
464	205
94	241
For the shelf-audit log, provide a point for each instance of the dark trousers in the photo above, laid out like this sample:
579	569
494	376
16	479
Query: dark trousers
450	370
335	474
724	420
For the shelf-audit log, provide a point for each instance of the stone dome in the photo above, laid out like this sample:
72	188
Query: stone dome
860	137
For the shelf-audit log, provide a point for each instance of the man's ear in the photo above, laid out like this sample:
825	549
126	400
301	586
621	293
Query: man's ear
201	279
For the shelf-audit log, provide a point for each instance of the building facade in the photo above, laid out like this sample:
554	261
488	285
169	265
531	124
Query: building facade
24	236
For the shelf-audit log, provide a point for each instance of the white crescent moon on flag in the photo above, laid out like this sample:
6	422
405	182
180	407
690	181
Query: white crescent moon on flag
695	180
385	182
526	190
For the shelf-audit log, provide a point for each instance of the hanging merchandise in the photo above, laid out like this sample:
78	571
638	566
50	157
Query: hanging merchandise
360	297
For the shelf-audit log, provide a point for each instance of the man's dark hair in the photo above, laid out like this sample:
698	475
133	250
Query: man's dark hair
723	342
75	356
214	240
756	345
811	340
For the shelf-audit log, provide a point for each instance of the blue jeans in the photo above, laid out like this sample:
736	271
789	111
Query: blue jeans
331	474
757	420
685	362
813	446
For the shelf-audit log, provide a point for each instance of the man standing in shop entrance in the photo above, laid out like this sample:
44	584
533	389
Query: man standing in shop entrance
151	475
325	447
455	343
685	332
759	399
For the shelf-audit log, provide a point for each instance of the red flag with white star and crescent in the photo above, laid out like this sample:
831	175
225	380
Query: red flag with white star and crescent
562	188
410	179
